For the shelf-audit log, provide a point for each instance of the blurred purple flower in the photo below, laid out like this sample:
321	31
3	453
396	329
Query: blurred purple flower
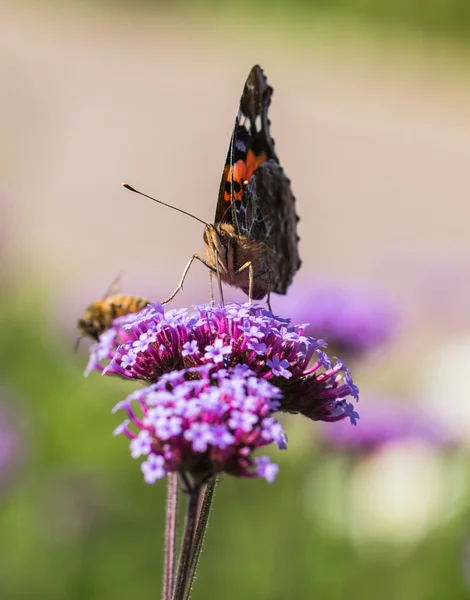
387	421
434	286
354	321
8	446
216	377
11	447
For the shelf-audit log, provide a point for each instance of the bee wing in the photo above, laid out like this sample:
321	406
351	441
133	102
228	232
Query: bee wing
114	287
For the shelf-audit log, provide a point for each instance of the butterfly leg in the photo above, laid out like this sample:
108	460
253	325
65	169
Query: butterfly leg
185	272
211	289
268	301
219	280
248	265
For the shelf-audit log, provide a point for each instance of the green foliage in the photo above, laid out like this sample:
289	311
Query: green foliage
429	17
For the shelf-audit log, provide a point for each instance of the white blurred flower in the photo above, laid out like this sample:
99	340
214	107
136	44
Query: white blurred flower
444	386
391	497
398	494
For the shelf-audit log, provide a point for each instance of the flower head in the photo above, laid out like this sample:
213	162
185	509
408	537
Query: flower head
193	423
353	321
229	338
215	377
388	421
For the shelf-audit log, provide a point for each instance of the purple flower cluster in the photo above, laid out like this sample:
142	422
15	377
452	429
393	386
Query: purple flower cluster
216	376
202	422
354	321
388	420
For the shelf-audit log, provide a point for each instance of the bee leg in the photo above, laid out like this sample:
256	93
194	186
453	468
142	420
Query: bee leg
77	343
185	272
248	265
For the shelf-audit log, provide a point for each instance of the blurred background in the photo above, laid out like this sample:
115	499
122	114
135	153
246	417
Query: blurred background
371	117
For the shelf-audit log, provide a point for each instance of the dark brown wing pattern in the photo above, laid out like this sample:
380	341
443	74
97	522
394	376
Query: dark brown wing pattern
273	222
250	145
255	195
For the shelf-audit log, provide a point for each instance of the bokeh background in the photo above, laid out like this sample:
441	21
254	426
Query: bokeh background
371	116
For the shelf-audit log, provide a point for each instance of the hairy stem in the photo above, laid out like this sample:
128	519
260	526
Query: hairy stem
187	543
170	535
205	505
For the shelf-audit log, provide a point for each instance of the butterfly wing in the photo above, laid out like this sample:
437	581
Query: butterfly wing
274	223
250	145
255	195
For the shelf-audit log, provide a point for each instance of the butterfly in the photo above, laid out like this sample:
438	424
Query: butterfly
253	242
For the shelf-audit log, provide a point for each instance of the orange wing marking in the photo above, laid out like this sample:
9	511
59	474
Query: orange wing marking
242	172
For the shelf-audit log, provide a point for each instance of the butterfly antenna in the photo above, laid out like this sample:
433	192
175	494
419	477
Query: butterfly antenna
129	187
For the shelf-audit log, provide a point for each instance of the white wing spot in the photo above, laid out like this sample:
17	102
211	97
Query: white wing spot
258	123
244	121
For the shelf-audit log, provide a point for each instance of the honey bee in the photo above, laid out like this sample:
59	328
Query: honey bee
99	315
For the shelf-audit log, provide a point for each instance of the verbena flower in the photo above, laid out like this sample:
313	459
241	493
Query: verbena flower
197	422
216	376
354	321
388	421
